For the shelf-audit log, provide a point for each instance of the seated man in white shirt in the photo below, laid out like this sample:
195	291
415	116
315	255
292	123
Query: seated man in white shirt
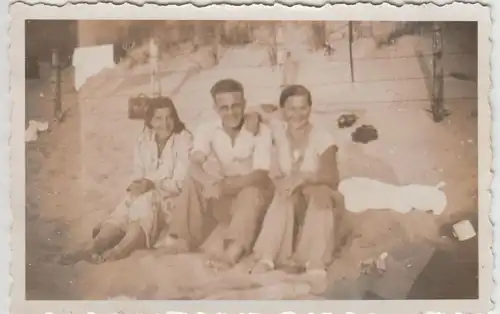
242	190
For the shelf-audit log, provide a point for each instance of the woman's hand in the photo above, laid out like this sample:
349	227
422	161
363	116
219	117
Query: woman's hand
139	187
212	191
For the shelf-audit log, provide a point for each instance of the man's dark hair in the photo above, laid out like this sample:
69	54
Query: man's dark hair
226	86
295	90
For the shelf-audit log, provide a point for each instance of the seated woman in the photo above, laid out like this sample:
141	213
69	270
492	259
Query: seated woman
299	226
160	165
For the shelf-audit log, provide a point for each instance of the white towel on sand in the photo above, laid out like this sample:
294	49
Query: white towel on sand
363	193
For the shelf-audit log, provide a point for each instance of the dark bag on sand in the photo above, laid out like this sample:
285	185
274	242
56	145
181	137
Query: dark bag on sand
364	134
346	120
137	107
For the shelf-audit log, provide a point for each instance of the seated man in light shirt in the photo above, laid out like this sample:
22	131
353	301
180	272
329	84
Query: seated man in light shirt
240	189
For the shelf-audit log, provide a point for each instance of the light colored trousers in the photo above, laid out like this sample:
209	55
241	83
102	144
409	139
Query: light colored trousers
237	218
301	228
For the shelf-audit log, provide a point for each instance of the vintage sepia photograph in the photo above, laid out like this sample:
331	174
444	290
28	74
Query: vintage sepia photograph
230	160
250	159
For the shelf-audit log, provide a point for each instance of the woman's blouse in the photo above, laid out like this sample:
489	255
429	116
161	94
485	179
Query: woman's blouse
168	169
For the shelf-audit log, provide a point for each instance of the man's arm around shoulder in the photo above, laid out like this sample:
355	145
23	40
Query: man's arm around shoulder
199	155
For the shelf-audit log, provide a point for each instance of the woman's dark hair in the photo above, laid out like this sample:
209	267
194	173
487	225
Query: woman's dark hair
160	103
226	86
295	90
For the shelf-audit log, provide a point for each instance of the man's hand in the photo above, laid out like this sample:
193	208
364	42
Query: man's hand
231	185
139	187
252	123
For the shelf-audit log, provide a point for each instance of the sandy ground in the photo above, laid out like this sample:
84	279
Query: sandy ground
77	172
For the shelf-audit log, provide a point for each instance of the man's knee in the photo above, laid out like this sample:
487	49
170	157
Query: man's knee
250	201
319	195
338	199
250	193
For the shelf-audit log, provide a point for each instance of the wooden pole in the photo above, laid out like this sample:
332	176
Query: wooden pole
216	41
56	84
273	46
437	105
351	61
155	67
197	34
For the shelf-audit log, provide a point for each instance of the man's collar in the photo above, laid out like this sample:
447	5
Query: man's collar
220	125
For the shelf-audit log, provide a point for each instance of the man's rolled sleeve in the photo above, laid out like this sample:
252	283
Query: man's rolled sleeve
202	138
262	151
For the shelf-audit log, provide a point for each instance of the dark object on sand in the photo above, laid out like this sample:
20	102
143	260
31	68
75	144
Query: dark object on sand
364	134
403	263
119	52
462	76
137	107
346	120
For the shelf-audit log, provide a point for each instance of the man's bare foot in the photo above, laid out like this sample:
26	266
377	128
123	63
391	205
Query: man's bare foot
96	259
262	266
218	262
293	267
218	265
316	269
170	245
226	259
233	253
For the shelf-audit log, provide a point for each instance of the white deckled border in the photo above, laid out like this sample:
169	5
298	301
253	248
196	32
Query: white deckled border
264	307
6	216
270	2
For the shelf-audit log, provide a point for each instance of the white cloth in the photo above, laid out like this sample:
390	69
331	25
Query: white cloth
89	61
144	209
361	194
248	153
34	127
